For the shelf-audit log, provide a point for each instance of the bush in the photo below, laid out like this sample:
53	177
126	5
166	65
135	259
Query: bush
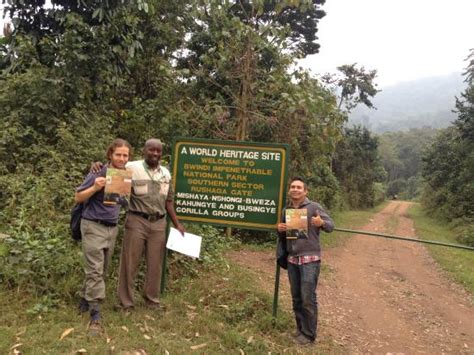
324	188
41	262
467	236
256	237
396	187
214	243
38	255
379	193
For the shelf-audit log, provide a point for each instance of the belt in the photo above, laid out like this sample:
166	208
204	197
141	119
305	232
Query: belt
104	223
149	217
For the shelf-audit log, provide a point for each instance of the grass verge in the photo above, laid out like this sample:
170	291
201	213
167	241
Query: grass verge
219	311
458	263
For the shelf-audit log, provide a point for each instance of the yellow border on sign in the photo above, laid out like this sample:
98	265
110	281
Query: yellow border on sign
233	222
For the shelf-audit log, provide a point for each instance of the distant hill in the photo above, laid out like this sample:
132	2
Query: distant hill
421	103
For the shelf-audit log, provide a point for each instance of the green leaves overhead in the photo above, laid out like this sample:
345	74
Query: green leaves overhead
355	85
298	19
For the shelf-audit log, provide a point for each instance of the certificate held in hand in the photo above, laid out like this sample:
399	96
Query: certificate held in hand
296	222
118	185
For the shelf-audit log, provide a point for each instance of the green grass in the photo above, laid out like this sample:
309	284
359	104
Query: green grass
221	310
458	263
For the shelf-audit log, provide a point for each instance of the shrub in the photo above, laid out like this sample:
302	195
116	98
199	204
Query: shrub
41	262
467	236
214	243
379	193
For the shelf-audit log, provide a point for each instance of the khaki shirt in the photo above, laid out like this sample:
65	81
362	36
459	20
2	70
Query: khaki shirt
150	188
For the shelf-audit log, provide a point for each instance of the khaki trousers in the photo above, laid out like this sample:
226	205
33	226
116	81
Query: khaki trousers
98	243
141	236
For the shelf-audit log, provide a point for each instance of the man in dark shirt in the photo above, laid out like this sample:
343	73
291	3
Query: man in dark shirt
304	258
99	231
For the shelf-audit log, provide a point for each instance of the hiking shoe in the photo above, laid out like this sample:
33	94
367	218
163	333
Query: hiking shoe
83	306
296	334
302	340
95	328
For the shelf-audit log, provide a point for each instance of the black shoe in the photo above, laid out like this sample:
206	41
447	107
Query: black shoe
83	306
95	315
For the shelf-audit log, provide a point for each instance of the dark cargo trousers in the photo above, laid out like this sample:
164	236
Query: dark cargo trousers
98	243
141	237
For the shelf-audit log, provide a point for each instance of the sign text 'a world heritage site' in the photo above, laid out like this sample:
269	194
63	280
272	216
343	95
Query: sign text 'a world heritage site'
239	184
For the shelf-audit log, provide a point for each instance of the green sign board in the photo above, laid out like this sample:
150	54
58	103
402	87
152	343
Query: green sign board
240	184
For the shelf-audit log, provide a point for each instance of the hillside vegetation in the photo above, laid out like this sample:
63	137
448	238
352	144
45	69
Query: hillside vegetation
427	102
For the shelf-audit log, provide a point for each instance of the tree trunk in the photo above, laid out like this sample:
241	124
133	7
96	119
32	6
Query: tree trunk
245	92
241	133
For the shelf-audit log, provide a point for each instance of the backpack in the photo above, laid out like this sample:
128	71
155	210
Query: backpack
75	224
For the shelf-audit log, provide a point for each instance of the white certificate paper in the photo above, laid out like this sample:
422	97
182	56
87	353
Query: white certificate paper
189	245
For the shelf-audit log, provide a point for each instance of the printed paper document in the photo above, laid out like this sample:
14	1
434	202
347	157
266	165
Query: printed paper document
189	245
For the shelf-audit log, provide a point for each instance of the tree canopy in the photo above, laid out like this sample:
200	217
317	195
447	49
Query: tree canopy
77	74
448	165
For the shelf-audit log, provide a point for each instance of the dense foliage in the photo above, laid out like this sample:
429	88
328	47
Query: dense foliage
357	166
74	75
401	154
448	165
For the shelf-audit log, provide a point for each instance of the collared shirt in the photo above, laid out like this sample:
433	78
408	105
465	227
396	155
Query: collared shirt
304	259
151	188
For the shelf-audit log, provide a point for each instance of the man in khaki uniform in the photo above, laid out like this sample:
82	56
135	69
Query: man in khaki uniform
151	200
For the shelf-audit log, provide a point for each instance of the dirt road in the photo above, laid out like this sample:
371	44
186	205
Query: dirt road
384	296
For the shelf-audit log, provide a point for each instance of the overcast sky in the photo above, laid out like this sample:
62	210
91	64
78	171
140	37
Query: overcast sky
402	39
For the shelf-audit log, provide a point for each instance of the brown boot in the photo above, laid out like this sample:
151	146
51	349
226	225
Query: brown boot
302	340
95	328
